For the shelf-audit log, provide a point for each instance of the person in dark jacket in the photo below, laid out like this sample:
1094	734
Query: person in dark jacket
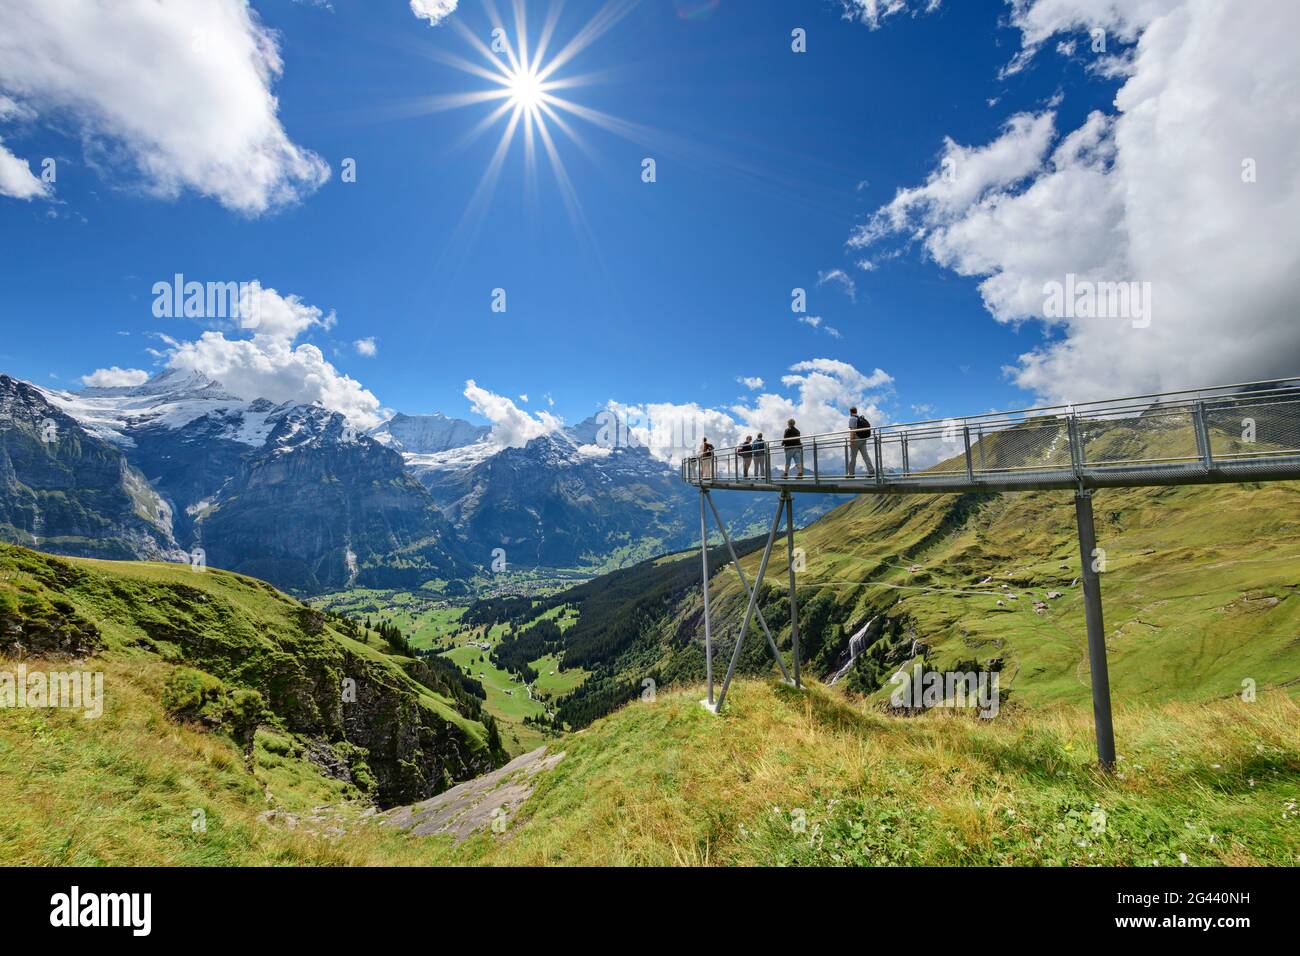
859	432
758	451
793	449
746	451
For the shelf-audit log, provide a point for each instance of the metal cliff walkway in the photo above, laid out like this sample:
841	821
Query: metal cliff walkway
1233	433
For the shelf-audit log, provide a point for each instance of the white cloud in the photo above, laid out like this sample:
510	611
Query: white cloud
269	365
1124	20
435	11
180	92
1152	192
512	427
820	392
815	322
874	12
751	382
283	316
16	178
11	109
366	347
842	279
963	176
115	377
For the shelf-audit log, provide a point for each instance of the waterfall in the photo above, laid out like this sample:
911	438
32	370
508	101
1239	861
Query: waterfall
857	643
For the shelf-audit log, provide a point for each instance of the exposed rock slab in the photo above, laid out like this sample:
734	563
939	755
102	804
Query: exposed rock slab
475	804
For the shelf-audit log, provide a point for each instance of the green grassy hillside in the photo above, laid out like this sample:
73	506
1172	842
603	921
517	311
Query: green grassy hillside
1199	589
226	659
803	778
1199	595
782	778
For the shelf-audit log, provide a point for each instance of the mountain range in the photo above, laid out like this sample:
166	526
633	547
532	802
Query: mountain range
180	468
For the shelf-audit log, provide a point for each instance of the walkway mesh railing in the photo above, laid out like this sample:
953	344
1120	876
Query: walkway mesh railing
1232	427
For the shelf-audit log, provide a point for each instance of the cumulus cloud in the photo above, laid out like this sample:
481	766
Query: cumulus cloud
16	178
512	427
1112	27
178	92
751	382
1187	186
1123	20
435	11
366	347
115	377
270	365
276	316
818	395
964	176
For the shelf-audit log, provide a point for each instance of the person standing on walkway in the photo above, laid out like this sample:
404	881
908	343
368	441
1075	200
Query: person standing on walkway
758	451
793	449
706	460
746	452
859	432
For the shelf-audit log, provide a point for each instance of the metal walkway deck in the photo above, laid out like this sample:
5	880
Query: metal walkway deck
1234	433
1229	434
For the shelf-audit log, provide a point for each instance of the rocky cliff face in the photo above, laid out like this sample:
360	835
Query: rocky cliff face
553	503
189	465
321	508
66	491
287	492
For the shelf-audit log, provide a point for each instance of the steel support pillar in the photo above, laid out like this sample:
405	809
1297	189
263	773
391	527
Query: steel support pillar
708	623
753	601
1101	716
744	583
794	604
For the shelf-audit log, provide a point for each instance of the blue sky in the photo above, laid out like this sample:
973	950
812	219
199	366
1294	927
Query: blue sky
767	161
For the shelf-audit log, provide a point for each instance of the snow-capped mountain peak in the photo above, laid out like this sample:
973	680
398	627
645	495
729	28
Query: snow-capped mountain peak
427	434
172	399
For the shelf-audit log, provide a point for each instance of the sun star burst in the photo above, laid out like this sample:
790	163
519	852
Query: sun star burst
524	78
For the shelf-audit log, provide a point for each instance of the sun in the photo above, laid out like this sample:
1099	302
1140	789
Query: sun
527	92
526	89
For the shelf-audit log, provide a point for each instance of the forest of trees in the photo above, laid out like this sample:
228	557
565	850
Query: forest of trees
616	635
597	698
499	610
515	651
615	611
